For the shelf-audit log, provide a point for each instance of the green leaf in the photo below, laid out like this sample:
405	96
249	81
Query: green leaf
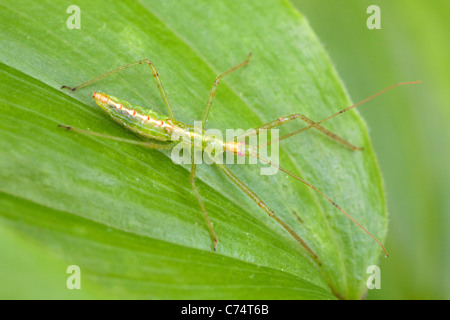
409	127
127	215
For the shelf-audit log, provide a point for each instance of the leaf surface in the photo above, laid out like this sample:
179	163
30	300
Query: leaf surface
127	215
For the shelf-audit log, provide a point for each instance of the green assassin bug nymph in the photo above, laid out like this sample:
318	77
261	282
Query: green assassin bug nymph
157	127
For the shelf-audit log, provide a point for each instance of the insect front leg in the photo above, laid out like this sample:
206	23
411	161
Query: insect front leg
267	210
283	120
266	126
331	135
317	125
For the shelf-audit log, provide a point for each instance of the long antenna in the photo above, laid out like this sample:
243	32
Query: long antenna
337	113
323	195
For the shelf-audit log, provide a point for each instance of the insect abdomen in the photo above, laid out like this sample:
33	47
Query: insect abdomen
135	118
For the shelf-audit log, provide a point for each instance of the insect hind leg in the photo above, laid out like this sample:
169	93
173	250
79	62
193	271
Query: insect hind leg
154	73
147	144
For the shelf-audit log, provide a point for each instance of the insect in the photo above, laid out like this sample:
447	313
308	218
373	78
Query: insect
159	132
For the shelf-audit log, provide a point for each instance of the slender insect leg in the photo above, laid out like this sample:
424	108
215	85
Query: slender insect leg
269	125
147	144
155	75
200	202
317	124
331	135
266	209
283	120
216	84
326	197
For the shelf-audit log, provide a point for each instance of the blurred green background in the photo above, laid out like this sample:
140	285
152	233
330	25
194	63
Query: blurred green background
409	127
